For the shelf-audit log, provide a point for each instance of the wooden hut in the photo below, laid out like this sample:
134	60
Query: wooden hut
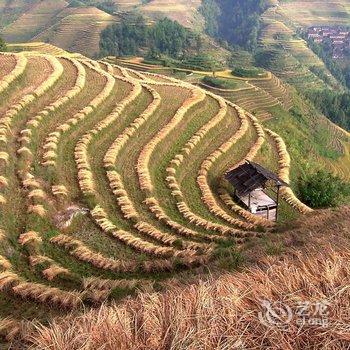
253	185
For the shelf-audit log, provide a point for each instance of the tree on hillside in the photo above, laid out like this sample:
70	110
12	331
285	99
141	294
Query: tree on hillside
125	38
3	46
133	37
211	12
238	21
323	189
334	104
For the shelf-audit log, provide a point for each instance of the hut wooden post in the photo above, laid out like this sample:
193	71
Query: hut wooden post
277	201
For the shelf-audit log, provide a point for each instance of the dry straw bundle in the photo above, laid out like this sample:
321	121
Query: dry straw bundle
8	279
83	253
284	169
3	182
159	213
196	97
142	245
21	63
53	139
162	237
2	235
123	200
4	263
37	209
3	200
60	190
85	176
30	238
210	226
119	143
54	271
45	294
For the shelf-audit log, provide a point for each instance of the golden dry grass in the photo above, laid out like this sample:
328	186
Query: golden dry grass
223	312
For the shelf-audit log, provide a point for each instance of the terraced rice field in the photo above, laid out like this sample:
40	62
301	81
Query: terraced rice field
254	95
76	29
39	47
291	59
316	12
185	12
258	95
34	19
111	180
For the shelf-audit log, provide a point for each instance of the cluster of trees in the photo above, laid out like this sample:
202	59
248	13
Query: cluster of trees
239	21
235	21
253	72
322	74
322	190
325	52
210	10
335	105
134	37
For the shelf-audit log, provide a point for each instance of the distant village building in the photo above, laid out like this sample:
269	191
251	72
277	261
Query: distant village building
339	37
251	182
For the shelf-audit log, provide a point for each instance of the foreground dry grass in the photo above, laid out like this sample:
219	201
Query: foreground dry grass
222	312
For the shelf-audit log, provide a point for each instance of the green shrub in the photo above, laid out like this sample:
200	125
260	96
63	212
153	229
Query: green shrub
220	83
249	72
228	258
323	189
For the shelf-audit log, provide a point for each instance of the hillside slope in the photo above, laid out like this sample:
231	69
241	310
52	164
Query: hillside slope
110	181
72	29
77	29
183	11
33	20
316	12
287	55
223	311
312	140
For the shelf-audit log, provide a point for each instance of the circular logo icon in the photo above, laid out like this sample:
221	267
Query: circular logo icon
275	314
